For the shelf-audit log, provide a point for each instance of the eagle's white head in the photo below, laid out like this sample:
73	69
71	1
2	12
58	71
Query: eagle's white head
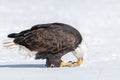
80	52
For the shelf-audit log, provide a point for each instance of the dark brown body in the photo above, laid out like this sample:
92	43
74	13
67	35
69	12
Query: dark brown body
51	41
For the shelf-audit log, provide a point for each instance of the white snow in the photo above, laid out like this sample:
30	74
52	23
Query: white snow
97	20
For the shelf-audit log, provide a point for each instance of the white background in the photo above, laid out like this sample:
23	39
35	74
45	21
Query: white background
97	20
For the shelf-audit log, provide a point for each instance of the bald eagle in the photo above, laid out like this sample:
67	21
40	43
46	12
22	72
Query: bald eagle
51	41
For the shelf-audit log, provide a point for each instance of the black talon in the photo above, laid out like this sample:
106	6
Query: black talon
73	62
70	62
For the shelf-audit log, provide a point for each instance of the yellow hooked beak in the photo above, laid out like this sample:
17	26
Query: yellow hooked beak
79	61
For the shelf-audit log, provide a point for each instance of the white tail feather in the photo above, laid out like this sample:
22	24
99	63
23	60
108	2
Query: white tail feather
22	50
10	44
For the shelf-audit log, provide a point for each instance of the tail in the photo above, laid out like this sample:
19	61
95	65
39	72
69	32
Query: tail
10	42
13	35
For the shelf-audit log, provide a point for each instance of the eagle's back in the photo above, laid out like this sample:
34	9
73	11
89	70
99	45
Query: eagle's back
53	37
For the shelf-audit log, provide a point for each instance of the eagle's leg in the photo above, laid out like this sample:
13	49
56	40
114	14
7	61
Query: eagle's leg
51	59
53	62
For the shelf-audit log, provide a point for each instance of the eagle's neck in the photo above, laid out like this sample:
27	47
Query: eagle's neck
80	51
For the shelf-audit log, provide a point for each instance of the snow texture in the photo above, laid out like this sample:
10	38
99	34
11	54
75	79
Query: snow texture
97	20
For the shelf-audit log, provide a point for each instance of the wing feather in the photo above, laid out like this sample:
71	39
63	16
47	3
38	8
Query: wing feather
45	39
50	38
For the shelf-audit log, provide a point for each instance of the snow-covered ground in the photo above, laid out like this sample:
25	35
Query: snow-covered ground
97	20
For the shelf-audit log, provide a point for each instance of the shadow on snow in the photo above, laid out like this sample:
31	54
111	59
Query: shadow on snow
23	66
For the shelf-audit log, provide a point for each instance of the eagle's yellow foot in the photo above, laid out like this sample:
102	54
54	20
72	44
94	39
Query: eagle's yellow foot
79	62
64	64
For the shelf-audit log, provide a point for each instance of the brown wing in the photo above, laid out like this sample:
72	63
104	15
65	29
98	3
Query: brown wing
46	39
